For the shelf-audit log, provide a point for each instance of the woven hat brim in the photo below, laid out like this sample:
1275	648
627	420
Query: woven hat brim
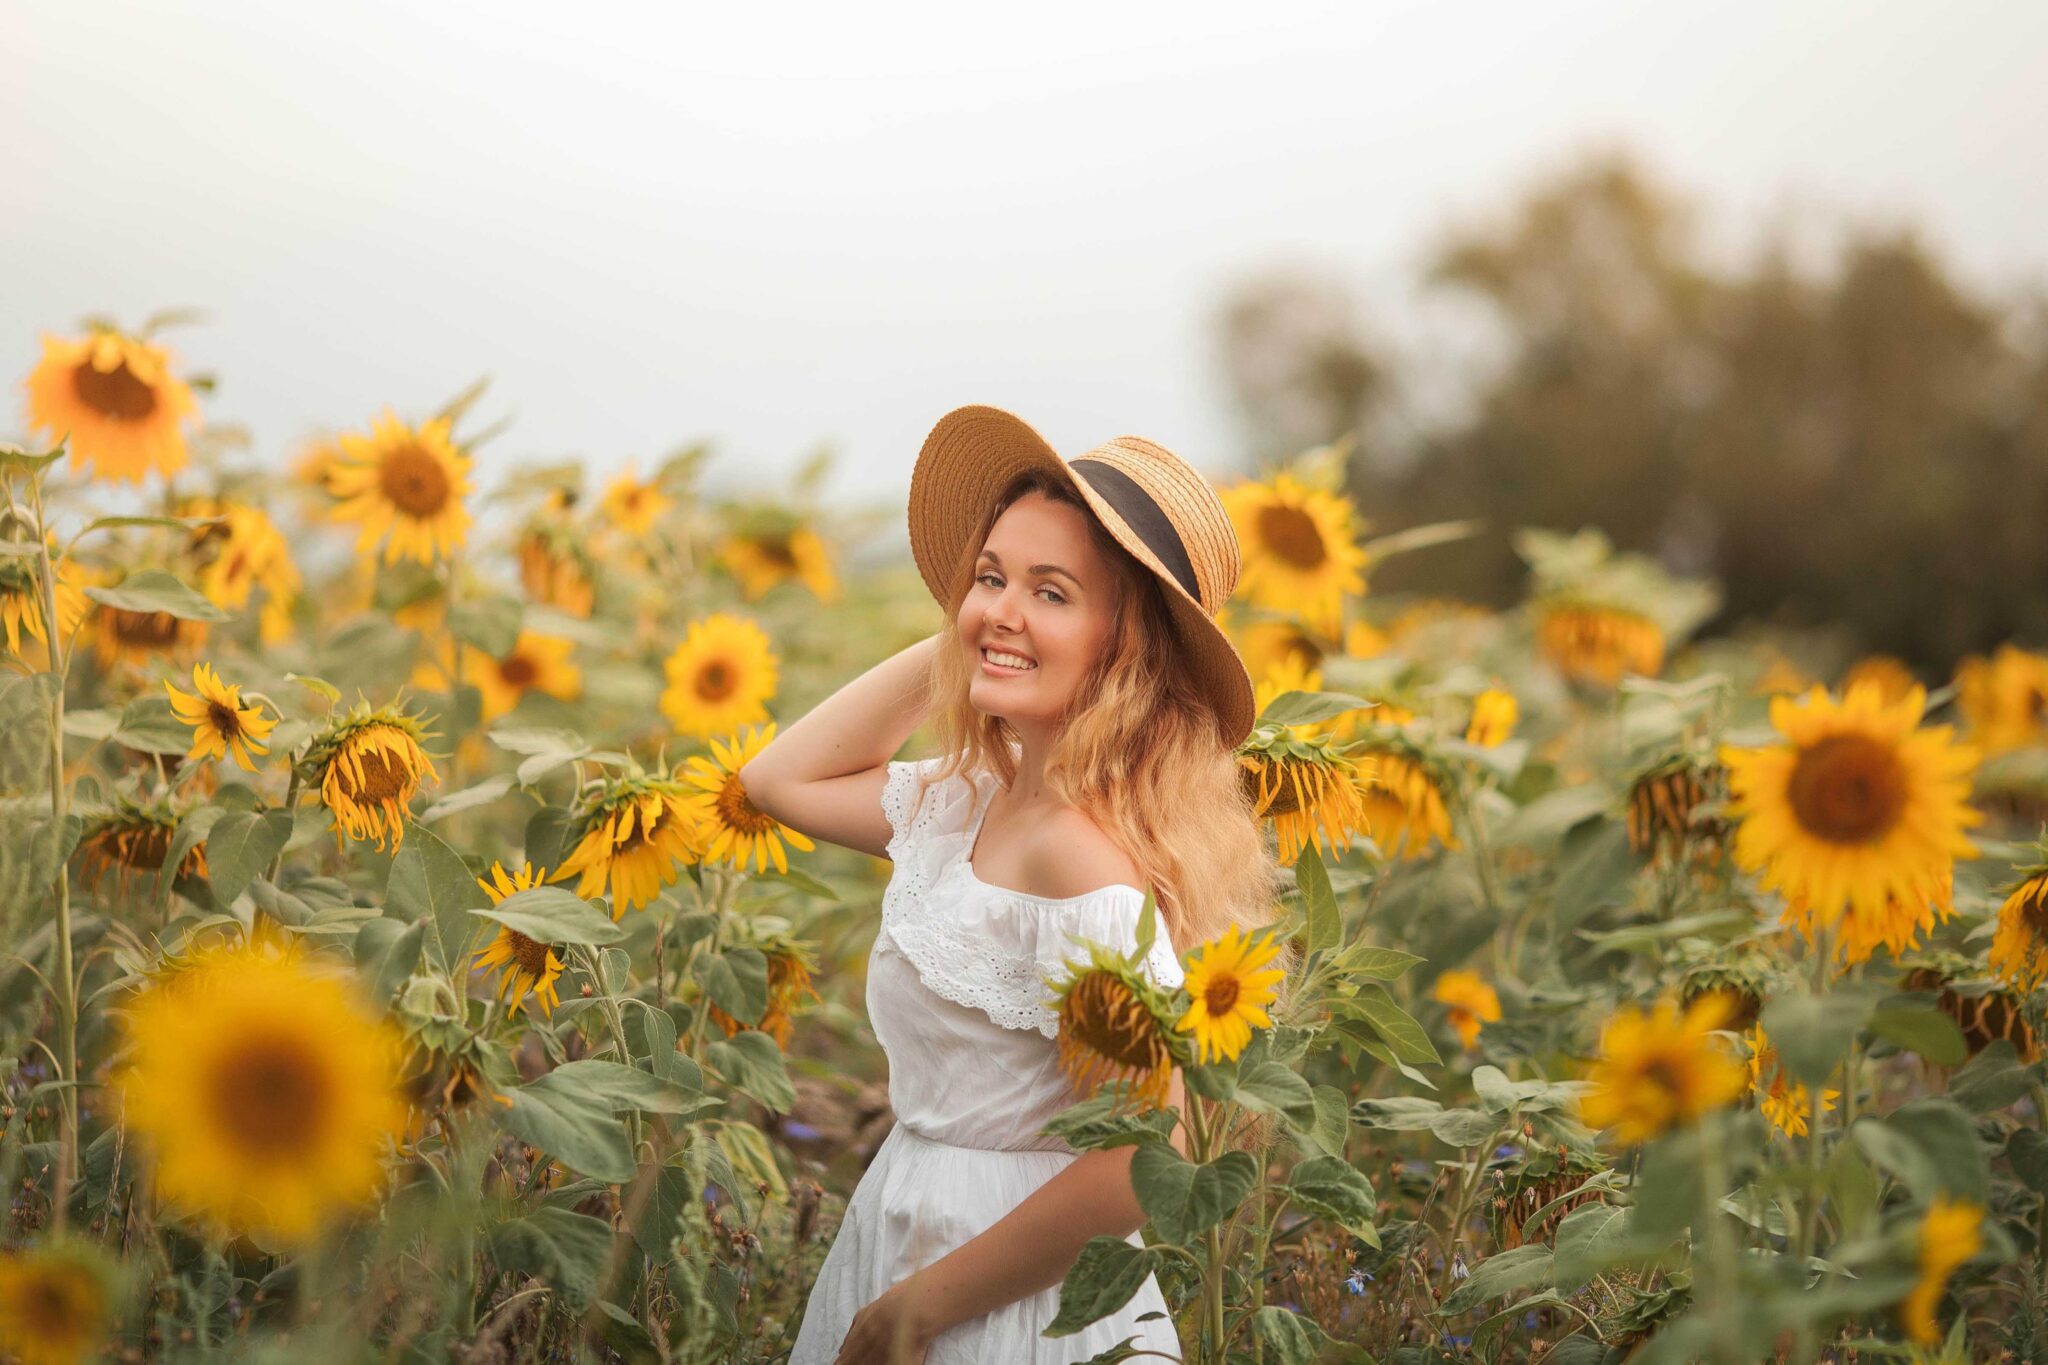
970	457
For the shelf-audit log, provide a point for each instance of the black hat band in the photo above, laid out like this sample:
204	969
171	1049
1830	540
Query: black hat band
1144	516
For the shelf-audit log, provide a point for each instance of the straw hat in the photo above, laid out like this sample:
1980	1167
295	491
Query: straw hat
1153	502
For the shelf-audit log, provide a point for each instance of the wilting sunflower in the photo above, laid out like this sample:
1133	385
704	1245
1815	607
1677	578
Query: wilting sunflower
1593	643
789	980
113	399
1404	801
1660	1070
1472	1003
2003	700
529	964
131	837
779	550
407	481
2019	949
21	604
737	831
1113	1028
136	637
264	1087
537	663
1494	713
56	1302
1662	802
1858	807
1301	552
370	764
1950	1234
1784	1101
1893	678
636	835
220	722
556	570
1229	986
632	506
1310	789
720	677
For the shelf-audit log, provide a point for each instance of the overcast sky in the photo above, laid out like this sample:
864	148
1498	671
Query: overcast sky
775	225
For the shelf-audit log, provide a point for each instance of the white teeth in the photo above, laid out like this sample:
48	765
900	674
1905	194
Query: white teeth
1007	660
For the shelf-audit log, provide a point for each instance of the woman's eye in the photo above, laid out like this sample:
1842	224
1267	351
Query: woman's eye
1057	595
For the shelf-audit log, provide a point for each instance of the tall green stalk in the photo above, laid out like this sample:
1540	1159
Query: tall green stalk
60	811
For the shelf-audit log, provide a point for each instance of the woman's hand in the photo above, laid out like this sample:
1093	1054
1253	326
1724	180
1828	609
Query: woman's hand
896	1329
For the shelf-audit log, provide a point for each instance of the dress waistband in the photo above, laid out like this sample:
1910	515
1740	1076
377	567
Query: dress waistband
912	1134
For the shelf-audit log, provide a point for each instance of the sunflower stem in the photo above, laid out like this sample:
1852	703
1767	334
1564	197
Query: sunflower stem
60	813
291	808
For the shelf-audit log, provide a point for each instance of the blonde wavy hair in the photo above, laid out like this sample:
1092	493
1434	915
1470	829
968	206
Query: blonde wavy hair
1137	752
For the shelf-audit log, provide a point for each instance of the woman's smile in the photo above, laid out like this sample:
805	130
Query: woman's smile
1011	666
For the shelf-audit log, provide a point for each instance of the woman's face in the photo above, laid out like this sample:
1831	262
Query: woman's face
1043	592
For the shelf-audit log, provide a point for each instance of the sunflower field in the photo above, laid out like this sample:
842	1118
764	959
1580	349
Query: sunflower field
397	970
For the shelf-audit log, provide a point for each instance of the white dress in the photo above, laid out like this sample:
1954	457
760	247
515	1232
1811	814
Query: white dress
956	994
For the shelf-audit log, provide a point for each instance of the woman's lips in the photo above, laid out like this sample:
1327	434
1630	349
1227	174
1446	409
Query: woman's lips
995	669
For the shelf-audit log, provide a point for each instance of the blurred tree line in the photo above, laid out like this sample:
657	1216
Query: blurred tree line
1863	444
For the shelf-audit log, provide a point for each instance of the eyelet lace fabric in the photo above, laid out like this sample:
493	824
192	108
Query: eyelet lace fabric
983	946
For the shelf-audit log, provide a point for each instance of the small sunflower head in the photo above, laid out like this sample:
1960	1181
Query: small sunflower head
1115	1029
1660	1069
57	1301
637	833
1311	788
1230	983
368	765
736	831
131	837
1665	813
2019	947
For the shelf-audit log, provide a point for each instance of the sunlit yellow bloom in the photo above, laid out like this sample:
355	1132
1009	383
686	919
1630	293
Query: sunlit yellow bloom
636	836
1893	678
1494	713
632	506
1364	640
221	723
56	1302
2003	700
21	598
407	481
537	663
555	571
115	402
1472	1002
370	767
764	558
1310	791
1404	805
1229	986
720	677
1598	644
530	965
1898	924
1659	1070
1109	1031
1951	1234
1784	1101
264	1087
2019	949
736	831
1301	551
243	551
1858	807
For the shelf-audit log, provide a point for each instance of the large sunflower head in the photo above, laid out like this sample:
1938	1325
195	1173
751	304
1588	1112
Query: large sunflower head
1229	985
1114	1031
720	677
2003	700
775	549
369	764
113	399
636	834
1784	1101
56	1302
1659	1069
1950	1234
408	481
220	723
264	1088
736	831
1312	790
1858	806
2019	947
1301	551
537	663
529	964
1594	643
1472	1003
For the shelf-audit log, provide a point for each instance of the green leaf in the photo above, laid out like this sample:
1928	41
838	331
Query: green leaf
1366	962
1922	1029
1103	1278
148	725
1813	1033
801	880
1335	1189
1587	1237
751	1062
1524	1267
1325	924
1270	1088
1333	1120
2027	1150
1594	867
429	878
388	951
1184	1200
240	846
1305	708
489	623
535	740
155	590
737	982
624	1333
20	461
1931	1145
1407	1038
1095	1123
619	1087
570	1124
469	798
1992	1080
553	914
1289	1338
564	1248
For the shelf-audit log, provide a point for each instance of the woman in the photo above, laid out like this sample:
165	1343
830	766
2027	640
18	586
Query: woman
1087	705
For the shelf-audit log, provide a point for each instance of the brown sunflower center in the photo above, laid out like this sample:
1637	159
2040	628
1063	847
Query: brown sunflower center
144	629
737	813
1848	789
716	680
1666	1075
223	719
1219	996
518	671
530	954
414	481
270	1097
1291	535
1102	1013
53	1303
114	393
2034	909
384	778
777	551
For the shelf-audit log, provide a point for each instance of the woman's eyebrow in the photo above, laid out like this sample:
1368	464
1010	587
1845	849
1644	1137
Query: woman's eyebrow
1035	568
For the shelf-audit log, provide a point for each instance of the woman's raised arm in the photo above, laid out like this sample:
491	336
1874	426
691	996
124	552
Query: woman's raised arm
823	775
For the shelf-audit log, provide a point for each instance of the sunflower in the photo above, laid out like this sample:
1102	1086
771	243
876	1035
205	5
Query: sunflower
635	835
128	838
529	964
2019	949
2004	699
1112	1031
1950	1234
632	506
370	764
789	980
21	598
1784	1101
556	571
1593	643
772	554
1229	986
1404	803
1893	678
1268	645
1897	925
1310	790
537	663
720	677
219	720
114	400
410	482
1662	805
1858	808
1494	713
1300	548
137	637
240	552
1472	1003
735	829
1659	1069
264	1087
56	1302
1364	640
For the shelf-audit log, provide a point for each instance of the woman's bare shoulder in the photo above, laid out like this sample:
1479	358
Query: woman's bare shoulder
1069	855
